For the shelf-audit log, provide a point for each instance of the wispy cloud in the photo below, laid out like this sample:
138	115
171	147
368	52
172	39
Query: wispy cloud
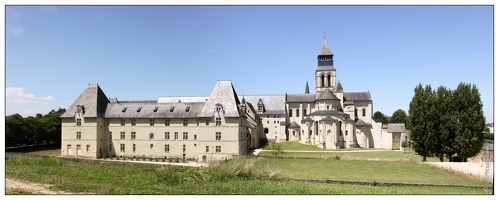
18	101
15	30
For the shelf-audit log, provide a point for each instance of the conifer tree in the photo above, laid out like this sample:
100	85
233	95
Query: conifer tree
419	124
470	121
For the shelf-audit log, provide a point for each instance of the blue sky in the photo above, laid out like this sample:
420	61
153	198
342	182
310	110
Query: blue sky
144	52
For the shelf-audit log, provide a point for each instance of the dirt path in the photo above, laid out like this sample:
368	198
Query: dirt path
33	188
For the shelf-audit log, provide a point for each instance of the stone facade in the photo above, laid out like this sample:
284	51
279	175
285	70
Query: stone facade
223	125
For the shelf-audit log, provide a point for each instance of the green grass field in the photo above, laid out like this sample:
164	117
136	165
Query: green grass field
101	177
345	154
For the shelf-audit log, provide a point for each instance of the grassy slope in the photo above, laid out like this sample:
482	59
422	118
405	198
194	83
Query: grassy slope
344	153
362	170
122	178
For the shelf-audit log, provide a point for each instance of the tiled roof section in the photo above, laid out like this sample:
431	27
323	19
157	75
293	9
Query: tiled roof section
308	119
274	104
327	95
300	98
185	99
325	49
339	88
361	122
357	96
294	125
399	128
328	112
348	103
224	94
326	68
328	118
150	109
94	101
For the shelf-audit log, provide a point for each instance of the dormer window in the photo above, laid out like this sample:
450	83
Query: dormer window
80	109
219	108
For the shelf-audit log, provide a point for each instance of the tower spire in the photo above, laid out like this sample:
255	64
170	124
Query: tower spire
306	88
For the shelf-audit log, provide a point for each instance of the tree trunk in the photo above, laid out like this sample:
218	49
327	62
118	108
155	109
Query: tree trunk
441	158
424	158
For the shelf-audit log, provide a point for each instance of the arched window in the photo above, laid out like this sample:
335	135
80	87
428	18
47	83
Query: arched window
363	112
266	130
151	136
322	80
329	80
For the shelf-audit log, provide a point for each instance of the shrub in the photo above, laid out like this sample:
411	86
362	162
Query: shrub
336	157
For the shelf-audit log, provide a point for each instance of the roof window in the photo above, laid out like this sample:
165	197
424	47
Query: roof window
124	109
187	109
138	109
172	108
155	109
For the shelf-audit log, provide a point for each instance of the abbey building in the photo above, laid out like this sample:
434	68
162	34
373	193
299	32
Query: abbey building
224	124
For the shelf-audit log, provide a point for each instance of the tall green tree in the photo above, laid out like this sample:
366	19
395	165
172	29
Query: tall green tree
443	122
14	132
419	124
470	121
399	116
381	117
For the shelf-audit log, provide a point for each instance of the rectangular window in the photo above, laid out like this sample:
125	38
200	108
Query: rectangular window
356	112
363	112
218	121
167	135
122	135
122	122
122	147
185	136
167	122
218	136
151	122
304	112
297	112
186	122
207	122
78	135
133	122
134	147
151	136
293	132
110	135
290	112
183	148
133	135
151	146
167	148
207	149
346	132
176	135
327	107
88	147
218	149
78	122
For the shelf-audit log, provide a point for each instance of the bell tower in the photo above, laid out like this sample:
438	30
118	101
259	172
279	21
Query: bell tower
325	75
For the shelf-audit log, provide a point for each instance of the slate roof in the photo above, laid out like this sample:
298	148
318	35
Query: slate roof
325	49
348	103
224	94
307	119
328	118
115	110
361	122
399	128
185	99
274	104
328	112
93	99
294	125
357	96
300	98
327	95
